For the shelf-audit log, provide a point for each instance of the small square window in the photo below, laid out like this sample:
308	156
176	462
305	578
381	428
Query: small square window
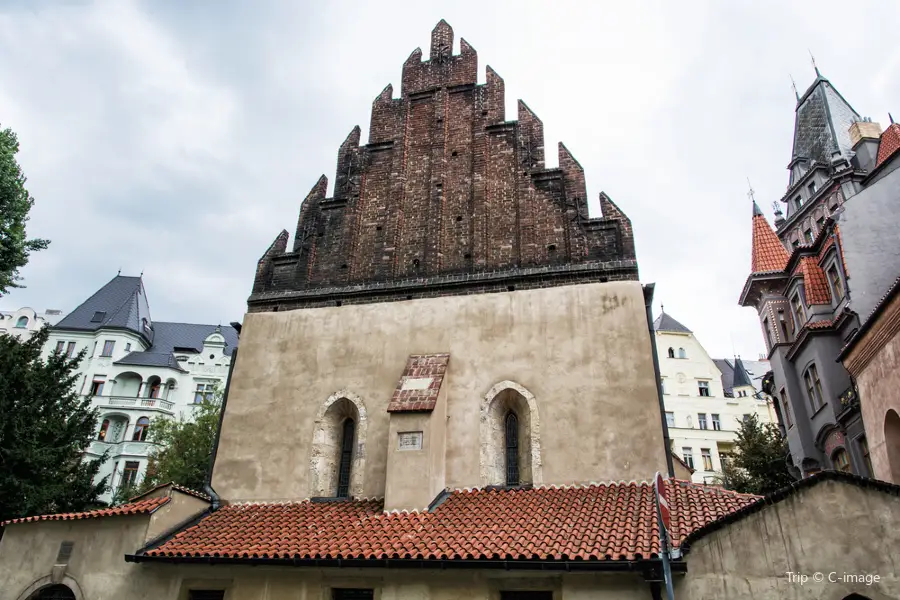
98	316
703	387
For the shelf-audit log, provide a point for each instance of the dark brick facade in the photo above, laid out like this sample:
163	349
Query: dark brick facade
446	198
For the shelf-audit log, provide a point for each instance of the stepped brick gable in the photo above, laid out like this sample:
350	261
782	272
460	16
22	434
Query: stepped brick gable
446	197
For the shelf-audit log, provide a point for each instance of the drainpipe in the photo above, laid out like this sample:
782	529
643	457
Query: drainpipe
207	487
648	305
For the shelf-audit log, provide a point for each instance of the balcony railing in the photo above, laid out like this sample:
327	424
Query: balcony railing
123	447
138	402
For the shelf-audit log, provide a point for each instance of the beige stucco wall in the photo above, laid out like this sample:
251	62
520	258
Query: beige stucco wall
583	351
176	511
875	363
832	527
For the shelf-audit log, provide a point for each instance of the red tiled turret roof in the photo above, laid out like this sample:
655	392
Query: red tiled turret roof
611	522
890	143
768	253
132	508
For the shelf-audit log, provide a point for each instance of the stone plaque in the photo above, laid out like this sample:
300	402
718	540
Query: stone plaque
416	383
409	440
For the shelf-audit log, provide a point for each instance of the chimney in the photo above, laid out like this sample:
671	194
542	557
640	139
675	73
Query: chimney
864	138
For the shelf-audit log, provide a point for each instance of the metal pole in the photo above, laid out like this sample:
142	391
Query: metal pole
664	542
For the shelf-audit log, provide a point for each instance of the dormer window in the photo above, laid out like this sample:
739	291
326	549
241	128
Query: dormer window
98	316
812	189
22	322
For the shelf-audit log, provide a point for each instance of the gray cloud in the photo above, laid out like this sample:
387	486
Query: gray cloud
179	141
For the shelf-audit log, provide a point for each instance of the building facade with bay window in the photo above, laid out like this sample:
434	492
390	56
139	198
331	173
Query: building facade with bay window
136	370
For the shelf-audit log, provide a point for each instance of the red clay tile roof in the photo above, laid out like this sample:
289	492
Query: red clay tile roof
814	281
890	143
611	522
819	324
132	508
768	253
420	383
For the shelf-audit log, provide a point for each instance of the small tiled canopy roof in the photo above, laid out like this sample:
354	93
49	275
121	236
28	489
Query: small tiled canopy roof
605	522
147	505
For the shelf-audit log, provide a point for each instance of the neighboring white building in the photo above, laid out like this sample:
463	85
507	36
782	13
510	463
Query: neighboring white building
702	414
137	370
26	321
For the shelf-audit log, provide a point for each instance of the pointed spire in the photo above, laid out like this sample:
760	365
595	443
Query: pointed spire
891	118
794	86
813	60
767	252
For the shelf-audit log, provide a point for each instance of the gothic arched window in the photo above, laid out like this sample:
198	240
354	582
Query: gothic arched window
343	487
682	353
512	449
141	428
671	352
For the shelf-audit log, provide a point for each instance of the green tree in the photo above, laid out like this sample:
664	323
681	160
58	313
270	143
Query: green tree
183	451
15	204
45	427
758	466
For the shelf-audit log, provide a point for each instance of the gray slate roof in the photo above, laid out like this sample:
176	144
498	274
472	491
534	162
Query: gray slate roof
666	323
120	303
822	123
752	369
871	244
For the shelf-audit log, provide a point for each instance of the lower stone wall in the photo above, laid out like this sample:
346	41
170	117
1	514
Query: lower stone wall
840	531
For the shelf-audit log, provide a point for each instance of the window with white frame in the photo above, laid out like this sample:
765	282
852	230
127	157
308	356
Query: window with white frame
670	419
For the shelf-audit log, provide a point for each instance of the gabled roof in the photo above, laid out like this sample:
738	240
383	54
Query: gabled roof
889	144
750	368
768	254
171	338
601	522
148	505
741	377
122	303
664	322
822	123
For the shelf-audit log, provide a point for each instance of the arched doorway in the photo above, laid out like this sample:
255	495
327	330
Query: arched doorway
892	443
53	592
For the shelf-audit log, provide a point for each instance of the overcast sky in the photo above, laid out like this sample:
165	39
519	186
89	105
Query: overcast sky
179	140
